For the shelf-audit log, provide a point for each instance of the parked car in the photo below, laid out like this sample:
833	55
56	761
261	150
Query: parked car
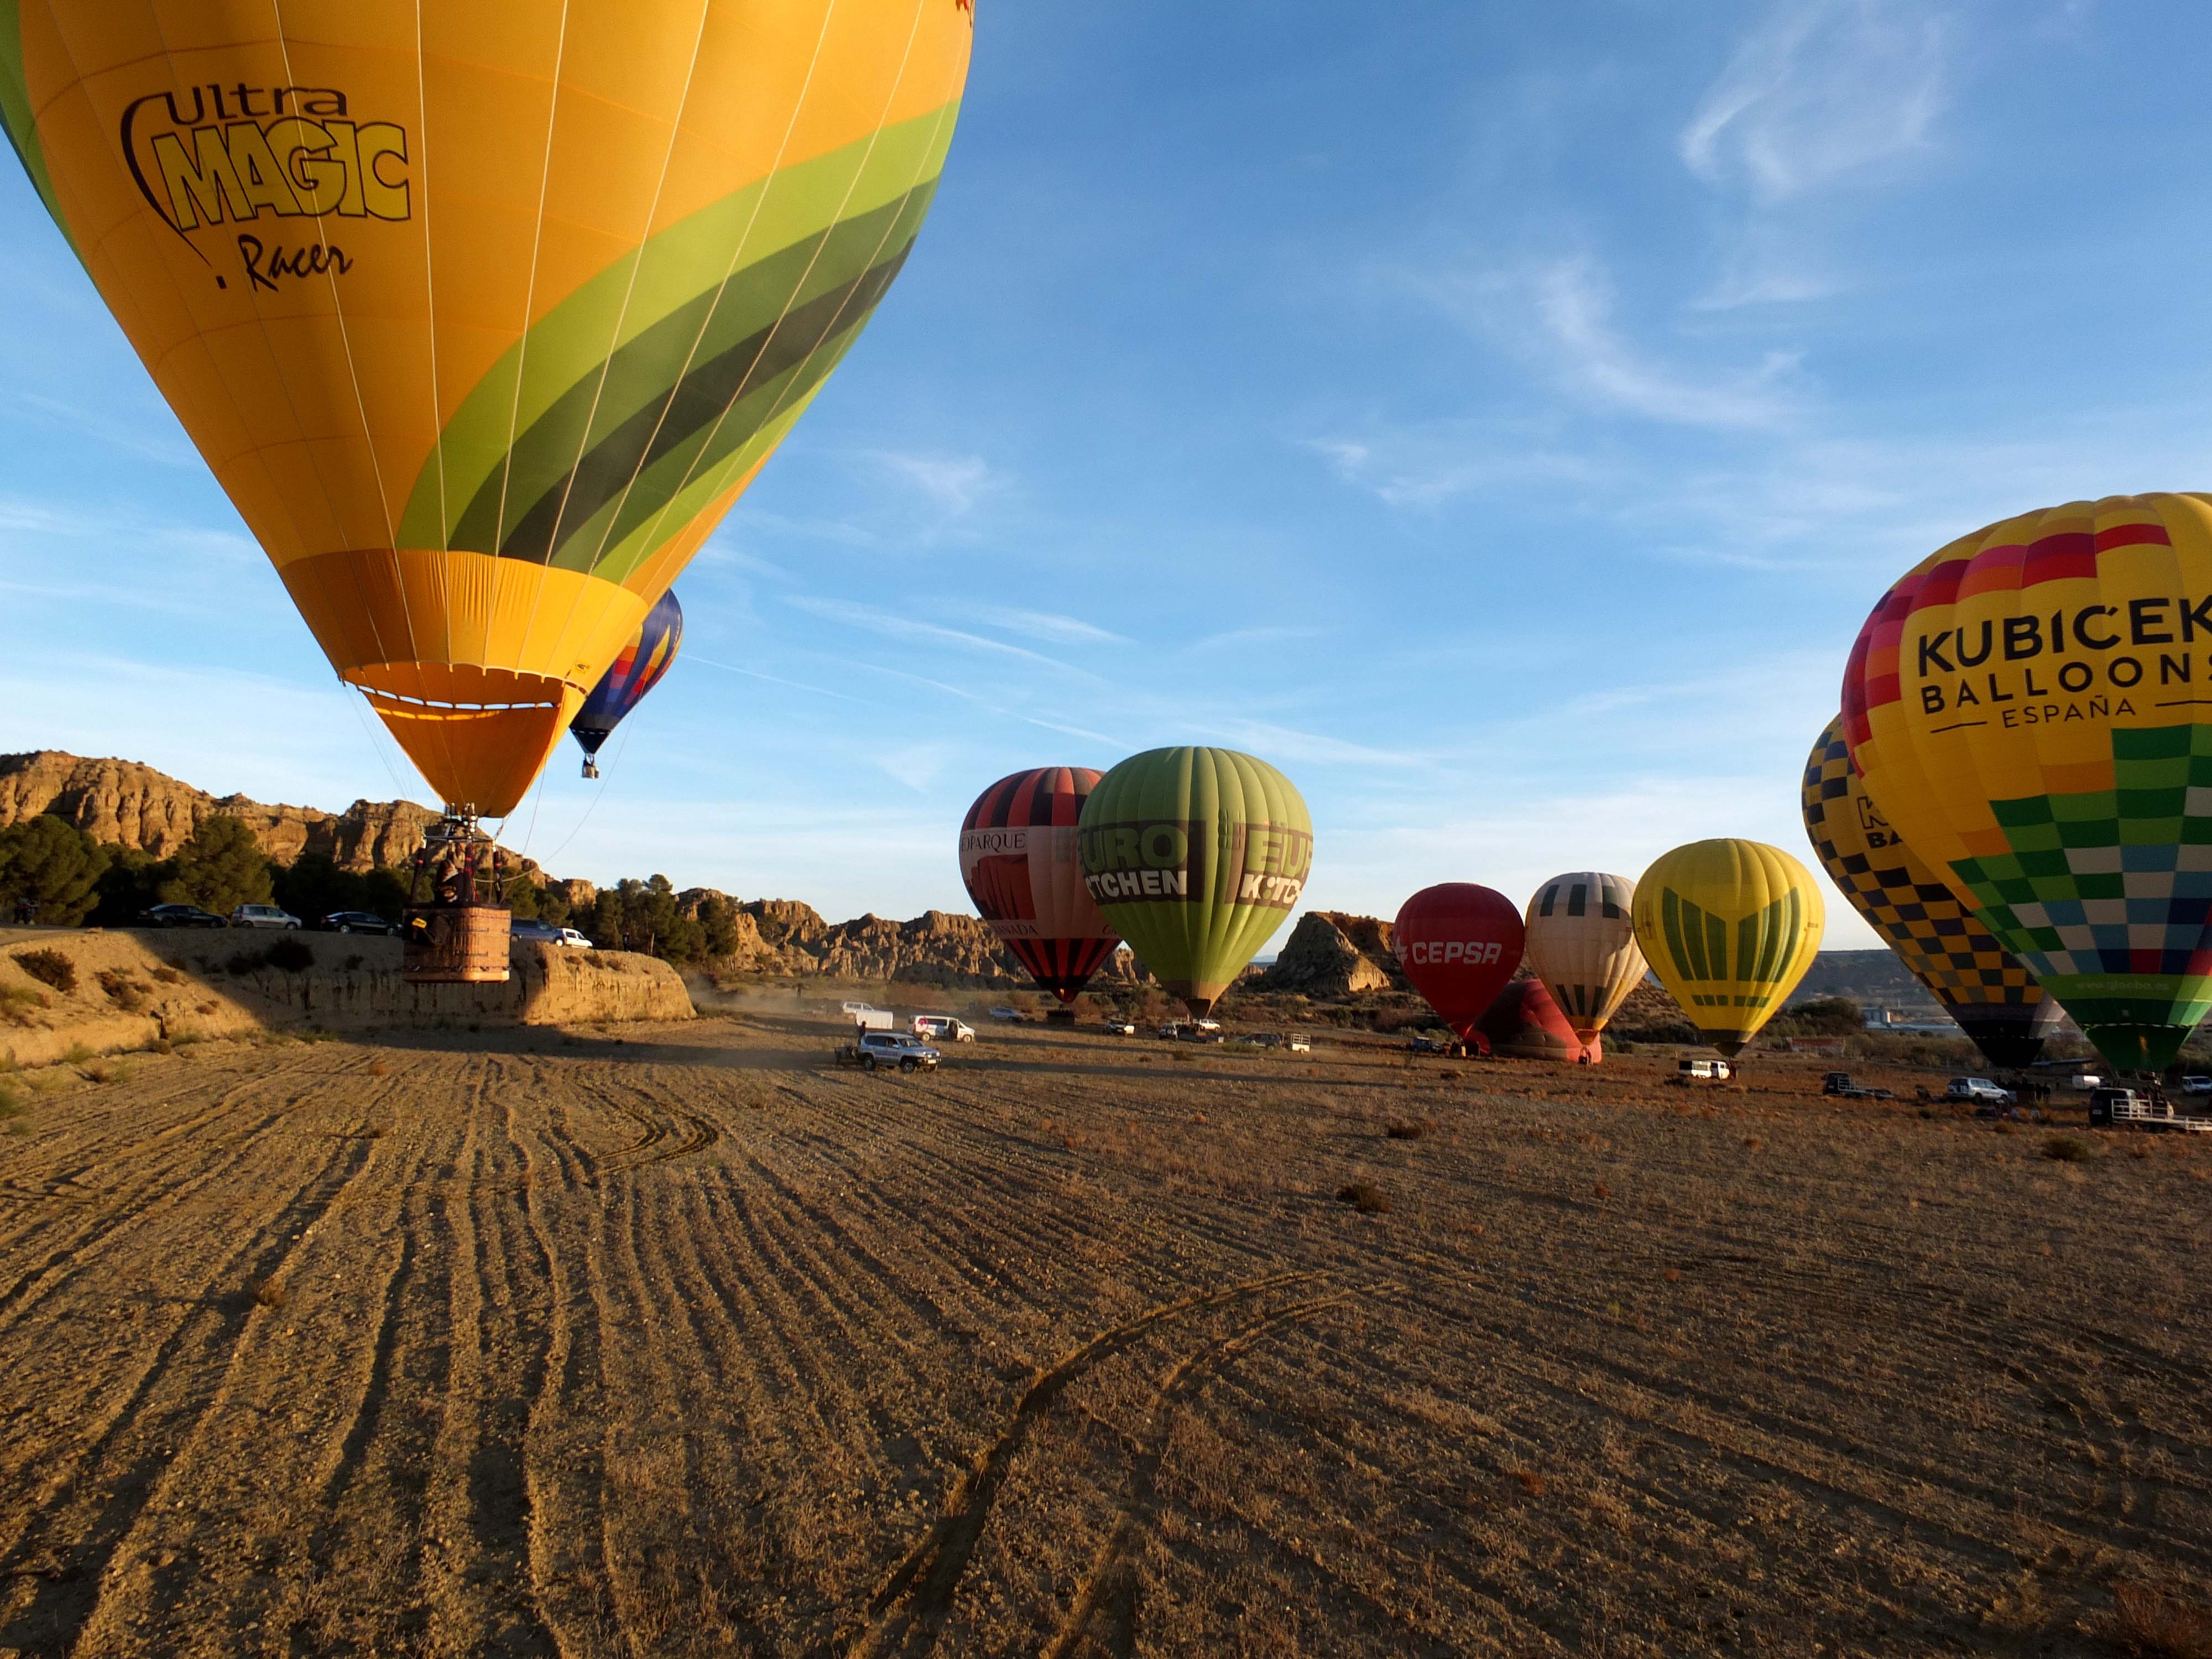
857	1008
1978	1091
1191	1031
900	1048
1704	1071
179	916
2197	1085
1297	1045
358	921
1120	1027
1008	1016
942	1028
1423	1045
264	915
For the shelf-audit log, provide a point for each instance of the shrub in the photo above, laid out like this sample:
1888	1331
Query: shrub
353	964
77	1055
1411	1128
1364	1197
2068	1149
2154	1625
268	1293
49	968
169	975
121	992
293	955
11	1103
239	964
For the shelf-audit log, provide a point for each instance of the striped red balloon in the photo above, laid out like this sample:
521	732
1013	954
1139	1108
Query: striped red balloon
1017	857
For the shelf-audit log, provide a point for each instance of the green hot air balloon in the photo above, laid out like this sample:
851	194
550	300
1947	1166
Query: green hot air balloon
1195	856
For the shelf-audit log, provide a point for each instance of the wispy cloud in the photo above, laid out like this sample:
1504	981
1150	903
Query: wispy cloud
893	626
955	482
1236	638
1041	625
1559	314
773	679
148	440
1283	743
1821	89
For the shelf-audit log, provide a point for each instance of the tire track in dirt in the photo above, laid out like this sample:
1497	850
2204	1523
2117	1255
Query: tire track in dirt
917	1598
83	1533
119	1210
1111	1578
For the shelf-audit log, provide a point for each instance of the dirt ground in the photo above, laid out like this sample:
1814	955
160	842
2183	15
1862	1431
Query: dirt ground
679	1340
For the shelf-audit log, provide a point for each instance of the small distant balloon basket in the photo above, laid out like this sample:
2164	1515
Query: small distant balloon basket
456	926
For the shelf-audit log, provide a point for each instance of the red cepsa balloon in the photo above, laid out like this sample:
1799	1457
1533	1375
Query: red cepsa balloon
1459	943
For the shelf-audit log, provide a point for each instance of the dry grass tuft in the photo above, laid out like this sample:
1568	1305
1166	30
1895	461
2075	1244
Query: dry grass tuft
378	1068
1752	1144
1411	1128
17	1002
49	968
1674	1275
77	1055
122	991
1530	1481
2154	1625
169	975
1601	1190
2068	1149
268	1293
1366	1197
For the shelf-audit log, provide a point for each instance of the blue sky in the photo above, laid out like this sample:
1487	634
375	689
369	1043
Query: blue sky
1499	417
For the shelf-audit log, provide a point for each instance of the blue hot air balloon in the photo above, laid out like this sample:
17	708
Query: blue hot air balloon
635	671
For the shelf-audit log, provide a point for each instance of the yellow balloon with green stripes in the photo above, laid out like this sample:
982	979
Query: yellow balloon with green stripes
484	313
1730	926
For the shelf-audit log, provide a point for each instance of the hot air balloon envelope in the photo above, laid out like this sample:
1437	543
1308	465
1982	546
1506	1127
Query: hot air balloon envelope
640	667
482	314
1730	926
2026	705
1983	986
1581	943
1195	856
1019	859
1458	944
1523	1022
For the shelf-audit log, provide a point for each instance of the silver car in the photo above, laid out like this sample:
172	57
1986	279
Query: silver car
264	915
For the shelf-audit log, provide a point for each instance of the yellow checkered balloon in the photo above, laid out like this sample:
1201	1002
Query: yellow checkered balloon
1983	986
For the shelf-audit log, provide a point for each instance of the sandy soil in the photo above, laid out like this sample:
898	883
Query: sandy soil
677	1340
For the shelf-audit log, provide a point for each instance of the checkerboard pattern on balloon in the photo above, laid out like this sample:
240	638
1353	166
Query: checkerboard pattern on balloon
2111	881
1918	916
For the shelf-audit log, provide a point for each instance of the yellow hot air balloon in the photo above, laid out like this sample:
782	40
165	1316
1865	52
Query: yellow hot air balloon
2025	705
1581	943
1730	926
484	313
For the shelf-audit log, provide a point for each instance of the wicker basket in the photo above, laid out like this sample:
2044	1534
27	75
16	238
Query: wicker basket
455	944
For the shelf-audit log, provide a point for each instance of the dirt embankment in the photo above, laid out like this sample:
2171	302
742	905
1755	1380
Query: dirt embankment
107	990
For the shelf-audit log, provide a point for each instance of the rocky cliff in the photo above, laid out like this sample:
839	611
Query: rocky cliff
1332	956
120	803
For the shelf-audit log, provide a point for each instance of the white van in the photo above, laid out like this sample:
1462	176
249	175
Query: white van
942	1028
1705	1071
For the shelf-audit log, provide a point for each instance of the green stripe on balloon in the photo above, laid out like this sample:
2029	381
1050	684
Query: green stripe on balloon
648	304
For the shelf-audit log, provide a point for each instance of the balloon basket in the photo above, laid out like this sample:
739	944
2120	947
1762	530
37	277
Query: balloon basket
455	944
